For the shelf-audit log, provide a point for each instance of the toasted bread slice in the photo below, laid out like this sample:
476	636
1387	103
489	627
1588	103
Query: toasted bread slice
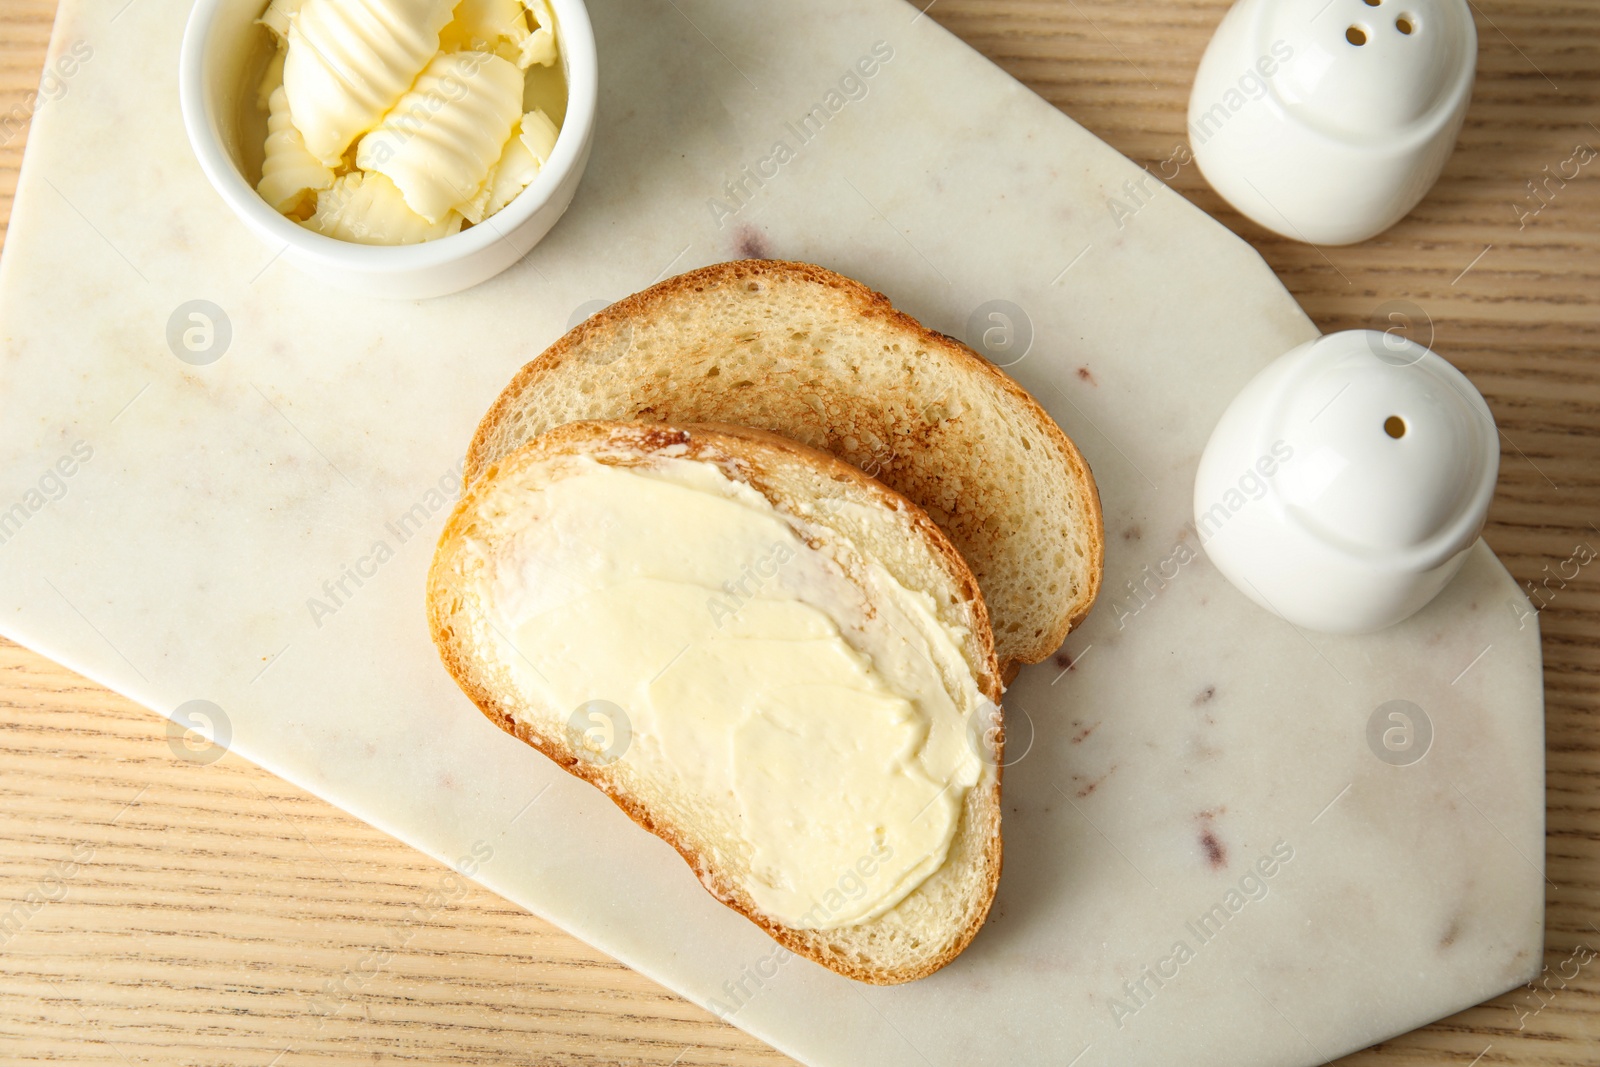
815	357
856	524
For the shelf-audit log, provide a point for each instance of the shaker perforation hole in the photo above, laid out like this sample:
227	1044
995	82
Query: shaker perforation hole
1405	24
1356	36
1373	3
1395	427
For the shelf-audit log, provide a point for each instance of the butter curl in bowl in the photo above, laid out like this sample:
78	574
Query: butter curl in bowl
400	148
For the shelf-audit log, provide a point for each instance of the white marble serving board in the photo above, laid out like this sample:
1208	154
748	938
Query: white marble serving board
185	557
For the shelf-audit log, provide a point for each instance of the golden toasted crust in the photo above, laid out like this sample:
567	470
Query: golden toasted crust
758	459
1011	511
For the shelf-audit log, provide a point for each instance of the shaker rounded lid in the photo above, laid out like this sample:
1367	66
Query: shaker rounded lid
1366	70
1395	452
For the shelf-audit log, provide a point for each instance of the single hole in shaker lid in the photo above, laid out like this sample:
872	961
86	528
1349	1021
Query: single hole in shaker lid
1356	35
1394	426
1404	24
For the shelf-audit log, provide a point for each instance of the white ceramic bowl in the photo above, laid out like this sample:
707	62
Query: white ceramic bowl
1327	120
1345	484
222	47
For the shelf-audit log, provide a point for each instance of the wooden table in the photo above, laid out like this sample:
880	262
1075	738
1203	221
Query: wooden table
197	913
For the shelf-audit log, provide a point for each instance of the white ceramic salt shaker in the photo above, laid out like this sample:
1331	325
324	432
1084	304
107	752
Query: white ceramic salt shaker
1327	120
1345	484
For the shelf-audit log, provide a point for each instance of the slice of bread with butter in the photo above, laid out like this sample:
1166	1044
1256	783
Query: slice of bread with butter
773	662
820	359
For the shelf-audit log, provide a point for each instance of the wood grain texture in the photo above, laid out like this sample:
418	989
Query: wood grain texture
192	913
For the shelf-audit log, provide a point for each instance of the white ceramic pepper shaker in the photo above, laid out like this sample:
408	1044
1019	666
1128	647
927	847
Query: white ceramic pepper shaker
1328	120
1345	484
